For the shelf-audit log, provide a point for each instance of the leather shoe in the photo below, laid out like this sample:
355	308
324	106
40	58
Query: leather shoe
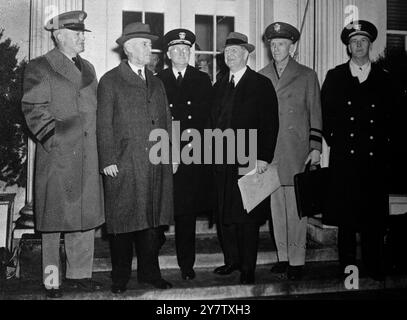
247	278
226	269
159	284
53	293
279	267
86	284
118	288
294	273
188	274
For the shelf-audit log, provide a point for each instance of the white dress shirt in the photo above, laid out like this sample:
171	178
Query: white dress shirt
136	69
238	75
175	72
361	72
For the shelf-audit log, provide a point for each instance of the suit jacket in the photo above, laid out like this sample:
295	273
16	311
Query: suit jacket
299	105
254	106
190	104
129	109
59	105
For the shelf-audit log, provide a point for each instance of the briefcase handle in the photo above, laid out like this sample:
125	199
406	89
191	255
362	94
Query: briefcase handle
309	167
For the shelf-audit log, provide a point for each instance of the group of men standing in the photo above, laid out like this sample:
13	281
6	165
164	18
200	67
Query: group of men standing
84	130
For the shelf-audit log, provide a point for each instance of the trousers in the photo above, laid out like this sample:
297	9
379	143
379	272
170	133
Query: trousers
185	240
147	243
290	232
79	249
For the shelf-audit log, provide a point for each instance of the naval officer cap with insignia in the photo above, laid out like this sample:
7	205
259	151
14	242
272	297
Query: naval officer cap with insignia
281	30
360	27
179	36
178	43
72	20
67	31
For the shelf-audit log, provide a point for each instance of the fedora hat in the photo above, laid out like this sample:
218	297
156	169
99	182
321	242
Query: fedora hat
238	39
136	30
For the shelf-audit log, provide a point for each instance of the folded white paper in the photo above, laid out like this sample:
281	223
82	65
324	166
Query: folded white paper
254	187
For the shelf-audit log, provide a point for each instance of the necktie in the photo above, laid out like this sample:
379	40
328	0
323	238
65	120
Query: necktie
179	79
232	82
140	74
76	61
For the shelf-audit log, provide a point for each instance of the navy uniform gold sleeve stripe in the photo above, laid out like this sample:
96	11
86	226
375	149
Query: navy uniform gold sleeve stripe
315	138
316	130
46	137
44	130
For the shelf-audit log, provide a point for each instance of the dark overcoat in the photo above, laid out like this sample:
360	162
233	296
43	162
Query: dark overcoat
190	104
299	105
129	109
59	105
254	106
355	126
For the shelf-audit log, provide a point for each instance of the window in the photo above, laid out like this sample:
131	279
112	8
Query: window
211	33
156	22
396	26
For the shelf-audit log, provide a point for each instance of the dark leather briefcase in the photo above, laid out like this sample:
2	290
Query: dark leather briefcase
311	190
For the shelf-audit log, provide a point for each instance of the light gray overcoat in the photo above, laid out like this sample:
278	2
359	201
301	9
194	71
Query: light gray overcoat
59	105
299	105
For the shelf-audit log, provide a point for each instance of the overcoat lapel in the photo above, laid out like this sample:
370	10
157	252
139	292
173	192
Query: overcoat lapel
290	73
88	75
128	74
61	64
274	77
151	85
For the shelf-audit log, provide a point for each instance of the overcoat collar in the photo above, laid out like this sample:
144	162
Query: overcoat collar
61	64
242	79
134	80
290	72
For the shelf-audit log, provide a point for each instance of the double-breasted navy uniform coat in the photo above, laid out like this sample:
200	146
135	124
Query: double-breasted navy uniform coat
190	104
355	126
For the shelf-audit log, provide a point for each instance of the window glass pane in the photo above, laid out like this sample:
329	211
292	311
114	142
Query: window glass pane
221	67
130	17
204	62
156	22
224	25
396	15
396	43
204	33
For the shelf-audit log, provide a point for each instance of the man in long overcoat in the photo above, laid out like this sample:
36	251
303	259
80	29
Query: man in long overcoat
59	105
299	142
189	93
356	102
244	100
139	200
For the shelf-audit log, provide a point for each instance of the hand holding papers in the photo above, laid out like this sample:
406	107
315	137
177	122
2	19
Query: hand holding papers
255	187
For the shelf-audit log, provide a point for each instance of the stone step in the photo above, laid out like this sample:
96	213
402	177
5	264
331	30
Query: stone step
319	278
318	232
208	253
202	227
